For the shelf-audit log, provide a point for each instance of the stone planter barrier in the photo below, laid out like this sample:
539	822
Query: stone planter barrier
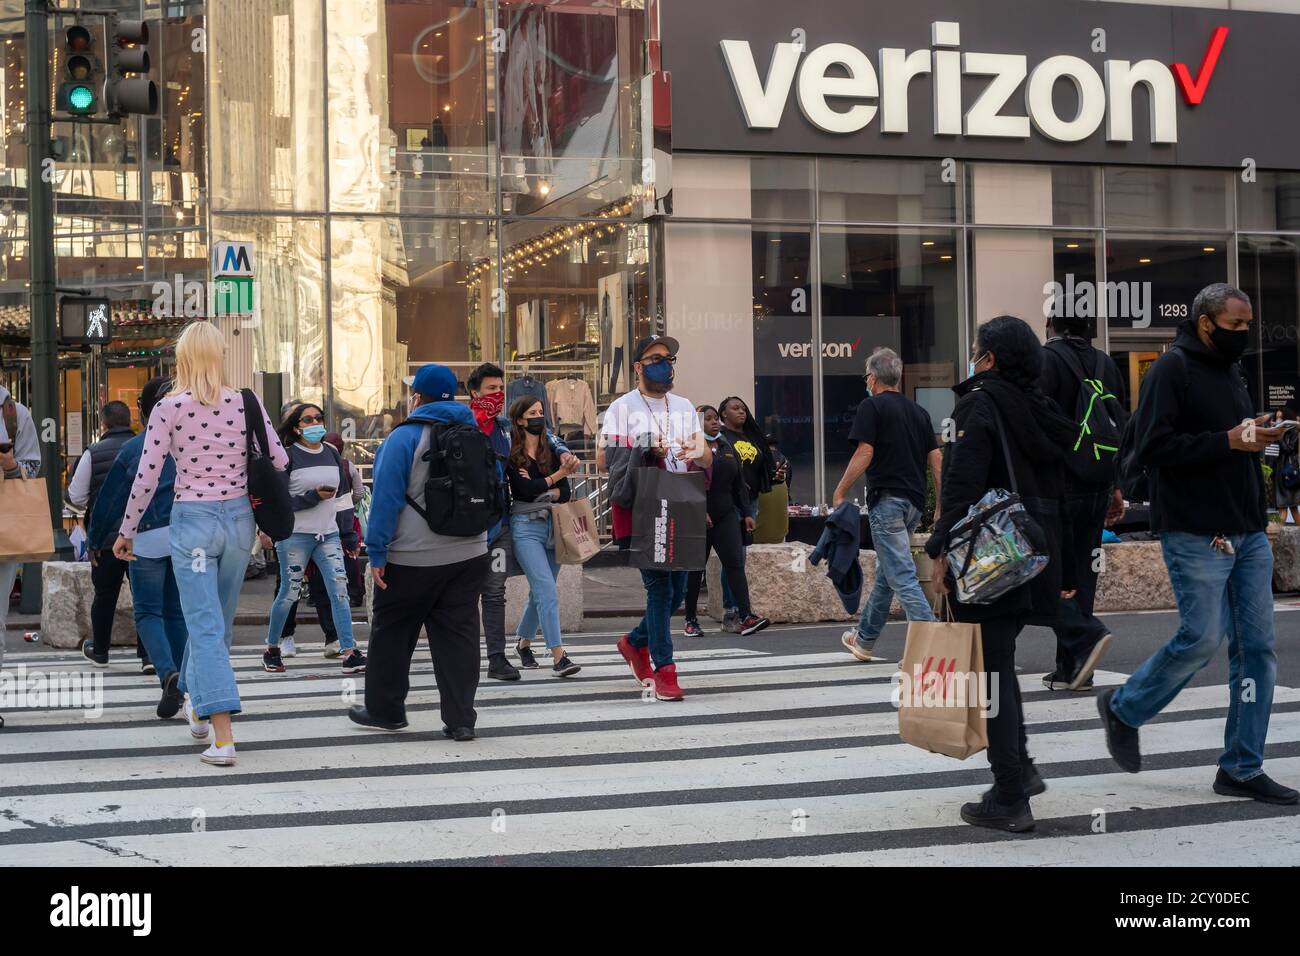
66	596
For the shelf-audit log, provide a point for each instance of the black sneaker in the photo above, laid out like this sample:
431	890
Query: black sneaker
1082	679
501	669
752	625
88	652
272	663
1121	739
1053	681
1262	788
458	734
359	715
1015	818
170	703
355	662
692	628
526	657
1030	779
146	667
565	667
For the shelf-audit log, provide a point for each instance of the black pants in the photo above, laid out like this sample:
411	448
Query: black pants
726	538
1076	627
1008	743
444	601
106	575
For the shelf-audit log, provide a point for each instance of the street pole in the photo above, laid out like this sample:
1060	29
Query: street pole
40	238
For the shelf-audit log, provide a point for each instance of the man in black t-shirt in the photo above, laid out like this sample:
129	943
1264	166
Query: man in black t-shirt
895	441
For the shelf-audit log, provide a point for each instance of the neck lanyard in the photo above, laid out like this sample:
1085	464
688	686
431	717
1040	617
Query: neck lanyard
655	429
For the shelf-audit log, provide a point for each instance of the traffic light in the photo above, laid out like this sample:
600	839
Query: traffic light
77	95
127	89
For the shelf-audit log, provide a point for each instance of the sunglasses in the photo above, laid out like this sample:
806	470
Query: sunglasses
312	420
656	359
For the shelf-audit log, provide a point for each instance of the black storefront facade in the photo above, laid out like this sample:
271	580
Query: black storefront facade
853	174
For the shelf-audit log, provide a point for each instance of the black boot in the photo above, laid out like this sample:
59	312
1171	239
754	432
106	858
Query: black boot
501	669
1013	818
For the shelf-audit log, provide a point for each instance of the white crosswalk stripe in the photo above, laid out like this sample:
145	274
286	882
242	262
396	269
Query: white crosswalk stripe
773	758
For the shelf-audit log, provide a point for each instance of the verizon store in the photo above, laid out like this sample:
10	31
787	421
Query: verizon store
857	173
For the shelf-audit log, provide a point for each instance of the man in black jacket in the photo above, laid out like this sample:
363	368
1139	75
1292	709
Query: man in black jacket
1197	437
1069	360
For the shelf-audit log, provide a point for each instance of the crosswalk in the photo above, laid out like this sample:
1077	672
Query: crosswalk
774	758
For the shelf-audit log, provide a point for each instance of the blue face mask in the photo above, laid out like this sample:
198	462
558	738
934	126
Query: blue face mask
658	373
713	437
314	433
970	367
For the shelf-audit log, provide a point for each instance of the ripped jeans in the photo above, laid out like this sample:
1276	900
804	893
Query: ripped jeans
295	553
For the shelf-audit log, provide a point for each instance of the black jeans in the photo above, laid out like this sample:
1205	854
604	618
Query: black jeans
1008	743
444	601
494	595
1076	628
726	538
106	576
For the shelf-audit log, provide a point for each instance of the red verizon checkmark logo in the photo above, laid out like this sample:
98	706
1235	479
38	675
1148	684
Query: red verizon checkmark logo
1194	92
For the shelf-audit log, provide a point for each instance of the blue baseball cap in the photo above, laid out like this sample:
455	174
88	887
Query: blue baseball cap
437	383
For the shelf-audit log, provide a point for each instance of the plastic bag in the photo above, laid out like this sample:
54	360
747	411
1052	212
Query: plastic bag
996	548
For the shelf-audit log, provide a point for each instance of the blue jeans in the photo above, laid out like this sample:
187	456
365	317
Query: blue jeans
892	522
1218	595
295	553
158	617
664	593
529	537
211	544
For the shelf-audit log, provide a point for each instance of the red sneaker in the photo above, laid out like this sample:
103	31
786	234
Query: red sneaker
666	683
638	658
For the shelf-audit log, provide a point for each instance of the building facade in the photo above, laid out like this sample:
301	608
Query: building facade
780	186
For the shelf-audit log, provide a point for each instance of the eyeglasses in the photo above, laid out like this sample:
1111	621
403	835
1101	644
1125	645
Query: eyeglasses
312	420
656	359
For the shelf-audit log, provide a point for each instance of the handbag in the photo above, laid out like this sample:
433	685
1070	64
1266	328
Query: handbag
268	486
26	533
942	706
998	546
669	521
573	531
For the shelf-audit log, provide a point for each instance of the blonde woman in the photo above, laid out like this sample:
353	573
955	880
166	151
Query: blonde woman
201	424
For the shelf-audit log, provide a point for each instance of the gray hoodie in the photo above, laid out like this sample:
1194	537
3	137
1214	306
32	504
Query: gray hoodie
27	447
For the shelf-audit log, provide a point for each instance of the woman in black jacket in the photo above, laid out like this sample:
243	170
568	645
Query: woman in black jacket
1003	385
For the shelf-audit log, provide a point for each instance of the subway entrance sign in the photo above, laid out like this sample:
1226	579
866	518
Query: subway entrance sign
234	289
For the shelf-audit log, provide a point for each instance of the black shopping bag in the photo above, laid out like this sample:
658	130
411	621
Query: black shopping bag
669	521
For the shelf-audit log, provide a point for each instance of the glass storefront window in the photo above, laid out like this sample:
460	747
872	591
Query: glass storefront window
1162	198
1270	275
743	187
1023	195
884	190
1030	273
1270	204
1155	279
897	289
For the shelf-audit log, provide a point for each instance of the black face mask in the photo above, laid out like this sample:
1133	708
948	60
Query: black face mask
1231	345
535	426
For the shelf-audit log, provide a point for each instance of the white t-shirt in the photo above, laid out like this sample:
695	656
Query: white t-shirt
636	420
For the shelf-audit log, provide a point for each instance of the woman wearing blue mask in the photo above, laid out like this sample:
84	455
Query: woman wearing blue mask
319	482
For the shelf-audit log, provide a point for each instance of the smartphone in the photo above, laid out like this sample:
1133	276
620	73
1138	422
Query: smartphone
328	488
1285	425
6	447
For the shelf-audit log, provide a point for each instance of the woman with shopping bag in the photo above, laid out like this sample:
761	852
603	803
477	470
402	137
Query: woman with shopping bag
538	479
1001	547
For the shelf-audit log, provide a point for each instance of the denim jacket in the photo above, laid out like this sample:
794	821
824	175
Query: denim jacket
110	504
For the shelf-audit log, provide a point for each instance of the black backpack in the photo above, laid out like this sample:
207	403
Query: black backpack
268	487
1100	420
463	492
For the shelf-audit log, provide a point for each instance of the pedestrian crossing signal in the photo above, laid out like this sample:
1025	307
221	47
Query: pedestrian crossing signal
85	320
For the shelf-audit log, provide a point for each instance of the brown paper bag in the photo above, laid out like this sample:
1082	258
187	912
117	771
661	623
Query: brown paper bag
573	529
25	530
942	687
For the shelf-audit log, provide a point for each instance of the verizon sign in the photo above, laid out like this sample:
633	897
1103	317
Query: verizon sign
841	90
1052	80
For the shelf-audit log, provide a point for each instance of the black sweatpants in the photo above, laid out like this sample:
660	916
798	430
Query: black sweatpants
106	576
727	539
1077	628
1008	743
444	601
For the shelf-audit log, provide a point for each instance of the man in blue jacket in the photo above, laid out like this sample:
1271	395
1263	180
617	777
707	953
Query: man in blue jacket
487	394
422	579
159	620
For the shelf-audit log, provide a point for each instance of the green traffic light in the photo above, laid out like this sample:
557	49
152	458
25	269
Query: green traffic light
81	99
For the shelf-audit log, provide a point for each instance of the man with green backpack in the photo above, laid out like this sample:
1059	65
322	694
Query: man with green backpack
1087	385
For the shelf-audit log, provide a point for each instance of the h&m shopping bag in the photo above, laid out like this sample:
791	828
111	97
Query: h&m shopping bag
941	706
573	527
669	521
25	531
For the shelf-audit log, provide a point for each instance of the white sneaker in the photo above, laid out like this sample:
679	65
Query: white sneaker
219	756
850	641
332	649
288	648
198	728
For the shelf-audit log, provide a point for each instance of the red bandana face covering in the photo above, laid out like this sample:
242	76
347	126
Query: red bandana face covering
486	408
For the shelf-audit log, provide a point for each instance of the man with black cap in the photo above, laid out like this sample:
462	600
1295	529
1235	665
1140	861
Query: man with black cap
651	427
422	578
